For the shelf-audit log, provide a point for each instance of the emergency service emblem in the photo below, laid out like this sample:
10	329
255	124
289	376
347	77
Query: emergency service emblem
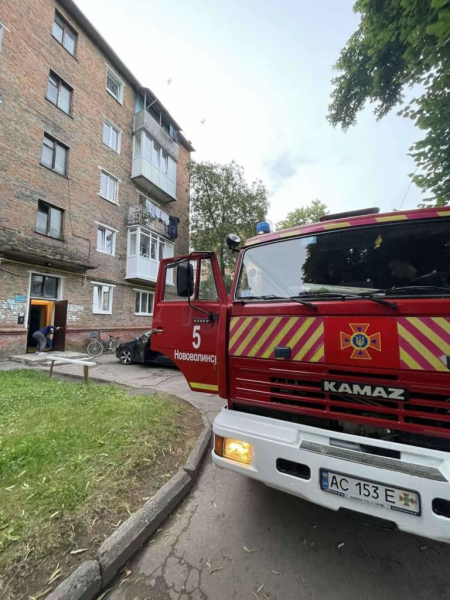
362	342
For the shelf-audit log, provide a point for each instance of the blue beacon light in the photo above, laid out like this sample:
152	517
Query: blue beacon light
262	227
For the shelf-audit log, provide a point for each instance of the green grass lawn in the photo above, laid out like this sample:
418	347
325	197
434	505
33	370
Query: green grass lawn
70	457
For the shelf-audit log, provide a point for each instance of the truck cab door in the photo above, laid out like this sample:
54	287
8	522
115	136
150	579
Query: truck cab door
186	328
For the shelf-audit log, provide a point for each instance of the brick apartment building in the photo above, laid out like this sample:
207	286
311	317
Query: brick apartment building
93	182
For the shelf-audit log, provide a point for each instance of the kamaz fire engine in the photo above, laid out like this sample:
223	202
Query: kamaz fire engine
332	351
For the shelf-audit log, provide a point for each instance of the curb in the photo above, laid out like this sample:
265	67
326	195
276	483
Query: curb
87	581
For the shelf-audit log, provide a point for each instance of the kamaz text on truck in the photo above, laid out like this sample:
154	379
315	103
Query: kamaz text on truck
332	350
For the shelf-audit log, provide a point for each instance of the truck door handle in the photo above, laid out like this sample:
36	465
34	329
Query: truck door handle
157	330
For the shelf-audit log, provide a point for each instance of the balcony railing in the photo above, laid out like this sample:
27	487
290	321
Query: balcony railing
140	215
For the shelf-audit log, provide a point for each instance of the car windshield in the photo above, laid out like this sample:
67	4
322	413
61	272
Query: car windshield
413	254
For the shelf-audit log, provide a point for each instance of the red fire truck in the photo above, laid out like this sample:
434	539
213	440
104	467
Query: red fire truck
332	350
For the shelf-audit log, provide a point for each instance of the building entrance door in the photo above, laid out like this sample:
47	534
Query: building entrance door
40	315
60	321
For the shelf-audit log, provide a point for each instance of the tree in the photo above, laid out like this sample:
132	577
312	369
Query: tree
400	43
304	215
223	202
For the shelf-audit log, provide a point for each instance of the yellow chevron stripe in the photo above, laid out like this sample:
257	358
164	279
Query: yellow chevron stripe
443	213
292	321
250	336
284	234
433	360
409	361
319	354
309	343
204	386
429	333
301	331
233	324
391	218
336	225
264	336
239	330
442	323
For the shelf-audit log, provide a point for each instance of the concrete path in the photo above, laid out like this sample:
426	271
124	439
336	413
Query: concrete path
294	550
144	377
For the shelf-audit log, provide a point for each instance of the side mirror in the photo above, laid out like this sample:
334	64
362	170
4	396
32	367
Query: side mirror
232	240
185	280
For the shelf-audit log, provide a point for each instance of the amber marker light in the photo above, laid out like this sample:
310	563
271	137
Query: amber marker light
233	449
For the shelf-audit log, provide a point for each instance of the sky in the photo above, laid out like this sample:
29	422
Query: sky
250	81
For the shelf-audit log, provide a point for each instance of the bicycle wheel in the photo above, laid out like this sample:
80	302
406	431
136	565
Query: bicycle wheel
95	348
114	344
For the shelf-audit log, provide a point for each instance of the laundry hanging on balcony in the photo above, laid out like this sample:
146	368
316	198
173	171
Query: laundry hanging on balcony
173	227
157	213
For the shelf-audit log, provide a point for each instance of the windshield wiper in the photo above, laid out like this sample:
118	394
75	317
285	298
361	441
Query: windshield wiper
363	295
274	297
417	288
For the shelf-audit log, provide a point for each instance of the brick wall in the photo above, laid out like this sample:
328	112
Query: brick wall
29	52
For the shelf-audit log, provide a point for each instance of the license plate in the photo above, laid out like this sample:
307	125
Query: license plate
370	492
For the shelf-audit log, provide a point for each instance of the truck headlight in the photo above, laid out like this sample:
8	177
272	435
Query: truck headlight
233	449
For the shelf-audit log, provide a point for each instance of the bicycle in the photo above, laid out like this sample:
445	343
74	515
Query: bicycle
98	346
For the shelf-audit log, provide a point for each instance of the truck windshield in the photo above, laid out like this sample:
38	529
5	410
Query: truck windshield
413	255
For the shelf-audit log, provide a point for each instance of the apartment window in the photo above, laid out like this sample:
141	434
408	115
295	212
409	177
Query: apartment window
54	155
151	246
114	85
171	169
137	145
111	136
108	187
106	240
103	295
133	242
144	303
64	33
49	220
156	154
44	286
164	162
148	147
59	93
145	245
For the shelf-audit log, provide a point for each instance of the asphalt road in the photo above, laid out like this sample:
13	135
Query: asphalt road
233	538
295	551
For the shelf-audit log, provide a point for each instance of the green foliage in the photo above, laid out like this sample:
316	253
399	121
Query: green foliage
304	215
70	452
401	43
223	202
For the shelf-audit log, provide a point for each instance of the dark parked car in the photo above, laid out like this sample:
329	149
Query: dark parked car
139	351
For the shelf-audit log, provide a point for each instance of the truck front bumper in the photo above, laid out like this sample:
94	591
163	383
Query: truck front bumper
274	442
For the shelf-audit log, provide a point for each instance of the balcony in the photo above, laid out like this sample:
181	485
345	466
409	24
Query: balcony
143	120
145	250
140	215
155	156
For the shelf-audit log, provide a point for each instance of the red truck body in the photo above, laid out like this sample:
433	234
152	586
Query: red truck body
375	372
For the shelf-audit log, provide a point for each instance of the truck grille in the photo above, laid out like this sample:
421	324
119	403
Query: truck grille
424	412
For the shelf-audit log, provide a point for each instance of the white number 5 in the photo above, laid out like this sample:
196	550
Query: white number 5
197	340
